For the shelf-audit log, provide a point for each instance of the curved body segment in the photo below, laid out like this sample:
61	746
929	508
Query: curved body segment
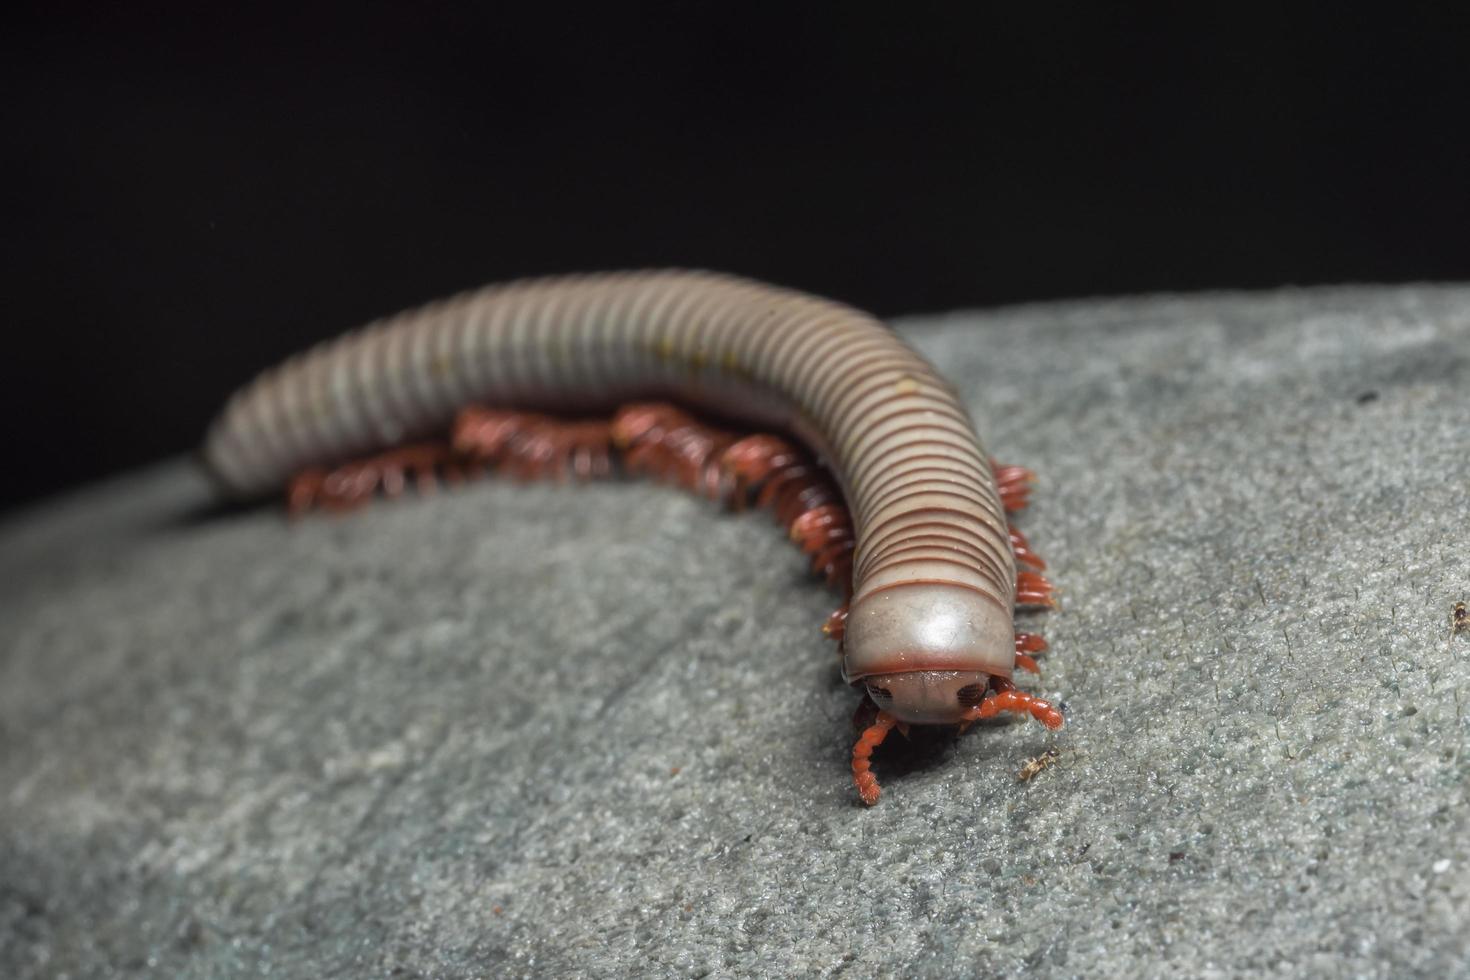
934	578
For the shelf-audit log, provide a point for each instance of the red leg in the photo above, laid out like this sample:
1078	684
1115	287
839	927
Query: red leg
523	444
1030	643
1014	484
665	442
803	496
862	753
836	625
668	443
825	534
486	433
754	460
530	446
1032	589
1027	644
353	484
1021	548
1006	698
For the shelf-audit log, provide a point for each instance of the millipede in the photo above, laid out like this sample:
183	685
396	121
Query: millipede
855	442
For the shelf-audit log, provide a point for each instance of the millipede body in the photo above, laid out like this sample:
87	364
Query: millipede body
912	522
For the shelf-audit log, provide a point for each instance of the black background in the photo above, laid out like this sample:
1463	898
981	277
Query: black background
191	195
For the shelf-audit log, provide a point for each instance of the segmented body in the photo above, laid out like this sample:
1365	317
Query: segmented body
933	575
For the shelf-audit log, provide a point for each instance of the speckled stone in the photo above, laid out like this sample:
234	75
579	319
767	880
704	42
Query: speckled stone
553	731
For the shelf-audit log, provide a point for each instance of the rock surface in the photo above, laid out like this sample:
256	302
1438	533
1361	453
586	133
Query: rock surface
540	730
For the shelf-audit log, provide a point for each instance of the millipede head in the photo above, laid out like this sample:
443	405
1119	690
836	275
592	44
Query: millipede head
929	697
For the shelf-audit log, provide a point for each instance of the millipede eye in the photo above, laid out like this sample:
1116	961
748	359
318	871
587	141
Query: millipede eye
879	693
972	694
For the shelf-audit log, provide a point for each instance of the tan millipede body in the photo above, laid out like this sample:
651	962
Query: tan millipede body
933	574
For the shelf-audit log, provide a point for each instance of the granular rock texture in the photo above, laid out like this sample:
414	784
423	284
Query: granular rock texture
550	730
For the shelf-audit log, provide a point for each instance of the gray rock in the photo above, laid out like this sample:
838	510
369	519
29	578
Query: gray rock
542	730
